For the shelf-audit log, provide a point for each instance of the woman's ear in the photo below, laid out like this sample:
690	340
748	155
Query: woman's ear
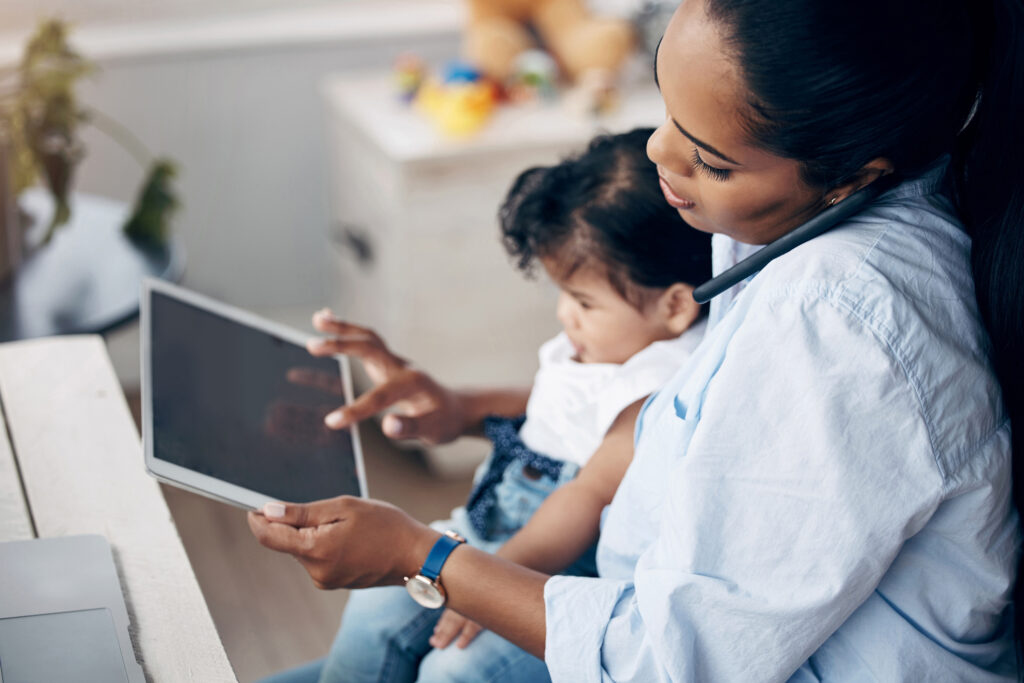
869	173
677	308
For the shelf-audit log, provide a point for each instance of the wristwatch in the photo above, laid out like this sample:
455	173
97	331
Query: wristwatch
425	588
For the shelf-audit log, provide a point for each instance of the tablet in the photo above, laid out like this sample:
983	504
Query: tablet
233	405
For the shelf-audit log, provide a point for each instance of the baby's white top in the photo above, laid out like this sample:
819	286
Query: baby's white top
573	404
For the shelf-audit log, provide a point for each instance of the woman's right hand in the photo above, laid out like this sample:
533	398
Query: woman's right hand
425	410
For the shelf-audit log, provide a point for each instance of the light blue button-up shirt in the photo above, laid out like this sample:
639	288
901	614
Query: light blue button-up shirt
823	491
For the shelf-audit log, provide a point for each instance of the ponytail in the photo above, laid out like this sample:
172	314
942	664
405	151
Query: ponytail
988	176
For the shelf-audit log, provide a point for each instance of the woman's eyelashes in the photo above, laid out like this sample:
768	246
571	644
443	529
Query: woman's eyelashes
711	171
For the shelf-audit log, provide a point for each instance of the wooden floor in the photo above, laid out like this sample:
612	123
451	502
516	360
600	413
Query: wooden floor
268	613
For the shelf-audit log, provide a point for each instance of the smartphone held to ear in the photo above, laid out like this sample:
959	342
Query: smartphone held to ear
822	223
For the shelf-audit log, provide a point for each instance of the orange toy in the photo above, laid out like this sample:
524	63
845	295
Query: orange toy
498	31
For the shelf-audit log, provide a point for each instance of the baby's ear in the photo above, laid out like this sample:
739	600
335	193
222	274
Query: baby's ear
678	308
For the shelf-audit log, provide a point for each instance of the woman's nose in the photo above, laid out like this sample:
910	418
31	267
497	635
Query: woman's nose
663	153
655	149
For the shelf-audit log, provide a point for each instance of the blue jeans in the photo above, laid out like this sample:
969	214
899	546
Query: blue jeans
384	634
307	673
384	637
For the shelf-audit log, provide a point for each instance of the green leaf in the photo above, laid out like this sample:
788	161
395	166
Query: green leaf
150	222
45	121
24	171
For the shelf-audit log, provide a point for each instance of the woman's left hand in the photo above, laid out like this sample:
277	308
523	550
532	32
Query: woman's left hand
346	542
351	542
453	626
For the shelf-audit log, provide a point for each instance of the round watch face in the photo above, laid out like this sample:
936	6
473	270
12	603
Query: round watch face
425	592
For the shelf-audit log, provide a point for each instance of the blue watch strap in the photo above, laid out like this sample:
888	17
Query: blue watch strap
438	555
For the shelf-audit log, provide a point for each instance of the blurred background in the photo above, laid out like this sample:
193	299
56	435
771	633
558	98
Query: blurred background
335	153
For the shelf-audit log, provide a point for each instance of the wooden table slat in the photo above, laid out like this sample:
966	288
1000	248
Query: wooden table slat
15	523
81	460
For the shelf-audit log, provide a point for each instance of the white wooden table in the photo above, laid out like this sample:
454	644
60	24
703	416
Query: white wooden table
71	463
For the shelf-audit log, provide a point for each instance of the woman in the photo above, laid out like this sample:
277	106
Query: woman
824	491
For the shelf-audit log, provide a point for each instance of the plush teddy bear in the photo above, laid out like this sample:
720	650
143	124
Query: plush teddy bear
499	30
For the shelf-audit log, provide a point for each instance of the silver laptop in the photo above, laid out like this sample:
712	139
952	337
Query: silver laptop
62	613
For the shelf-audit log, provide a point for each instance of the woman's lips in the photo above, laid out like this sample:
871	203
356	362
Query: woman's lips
672	198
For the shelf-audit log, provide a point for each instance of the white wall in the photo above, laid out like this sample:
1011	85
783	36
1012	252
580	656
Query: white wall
246	124
236	102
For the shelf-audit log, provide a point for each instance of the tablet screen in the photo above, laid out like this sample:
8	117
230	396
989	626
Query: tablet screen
245	406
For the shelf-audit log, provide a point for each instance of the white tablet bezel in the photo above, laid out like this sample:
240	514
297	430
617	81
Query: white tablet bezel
203	484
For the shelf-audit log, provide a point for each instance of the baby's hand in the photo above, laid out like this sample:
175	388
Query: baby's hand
453	624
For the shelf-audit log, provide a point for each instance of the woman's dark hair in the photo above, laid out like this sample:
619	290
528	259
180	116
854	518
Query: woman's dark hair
834	84
604	208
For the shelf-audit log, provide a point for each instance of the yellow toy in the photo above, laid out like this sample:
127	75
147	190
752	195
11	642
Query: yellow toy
498	32
458	108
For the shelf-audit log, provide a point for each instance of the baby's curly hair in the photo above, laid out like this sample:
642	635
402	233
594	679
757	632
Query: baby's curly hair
604	208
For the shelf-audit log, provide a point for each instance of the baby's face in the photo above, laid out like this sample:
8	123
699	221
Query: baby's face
602	326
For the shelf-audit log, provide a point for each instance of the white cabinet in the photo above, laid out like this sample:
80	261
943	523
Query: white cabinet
416	252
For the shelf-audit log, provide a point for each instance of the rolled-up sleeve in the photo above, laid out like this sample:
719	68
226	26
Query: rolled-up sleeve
806	465
577	612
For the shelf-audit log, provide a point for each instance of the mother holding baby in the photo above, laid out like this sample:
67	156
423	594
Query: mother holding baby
825	489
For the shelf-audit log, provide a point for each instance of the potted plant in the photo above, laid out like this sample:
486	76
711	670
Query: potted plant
40	121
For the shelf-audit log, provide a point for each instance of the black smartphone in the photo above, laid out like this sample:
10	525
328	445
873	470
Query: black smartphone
823	222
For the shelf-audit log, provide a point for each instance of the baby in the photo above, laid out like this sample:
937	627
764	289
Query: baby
626	265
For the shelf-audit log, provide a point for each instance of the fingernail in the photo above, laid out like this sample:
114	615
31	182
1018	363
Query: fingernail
335	420
391	425
314	344
273	510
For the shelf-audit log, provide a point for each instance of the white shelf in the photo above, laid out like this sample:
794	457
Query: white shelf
371	104
125	30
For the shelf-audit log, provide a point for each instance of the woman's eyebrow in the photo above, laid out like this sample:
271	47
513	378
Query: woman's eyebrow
704	145
656	48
